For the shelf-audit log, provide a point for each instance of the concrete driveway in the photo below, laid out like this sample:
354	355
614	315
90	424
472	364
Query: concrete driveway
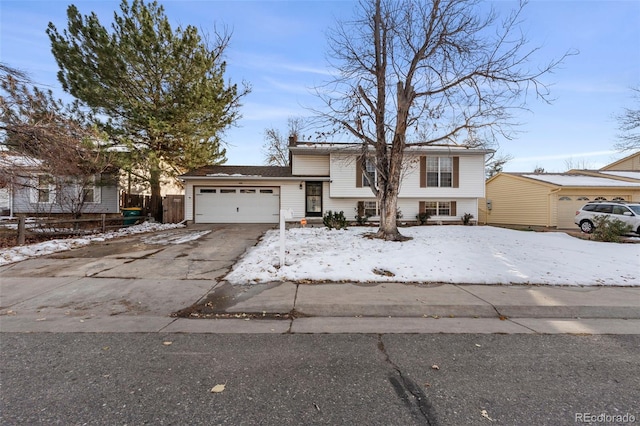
148	275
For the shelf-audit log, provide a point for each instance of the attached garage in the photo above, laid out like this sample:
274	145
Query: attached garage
551	199
567	207
229	204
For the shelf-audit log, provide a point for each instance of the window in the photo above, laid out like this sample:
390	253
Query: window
440	172
604	208
370	167
619	210
247	191
438	208
618	199
371	208
90	192
431	208
600	199
266	191
564	198
207	191
227	191
45	189
444	208
583	198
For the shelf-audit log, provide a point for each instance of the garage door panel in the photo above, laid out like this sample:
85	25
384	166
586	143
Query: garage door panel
237	204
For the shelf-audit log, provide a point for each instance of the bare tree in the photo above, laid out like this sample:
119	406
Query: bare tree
276	146
494	163
59	138
629	124
571	163
446	71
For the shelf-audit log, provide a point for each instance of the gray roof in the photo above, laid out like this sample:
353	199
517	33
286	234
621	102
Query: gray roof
239	171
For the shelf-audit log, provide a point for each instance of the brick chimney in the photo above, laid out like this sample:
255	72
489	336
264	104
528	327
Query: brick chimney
293	141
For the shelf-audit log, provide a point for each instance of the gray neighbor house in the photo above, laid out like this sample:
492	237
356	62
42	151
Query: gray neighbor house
25	189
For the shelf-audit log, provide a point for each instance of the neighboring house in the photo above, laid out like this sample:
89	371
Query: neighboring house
552	199
444	181
29	190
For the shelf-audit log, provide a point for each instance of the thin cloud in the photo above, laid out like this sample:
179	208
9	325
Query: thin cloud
562	156
276	63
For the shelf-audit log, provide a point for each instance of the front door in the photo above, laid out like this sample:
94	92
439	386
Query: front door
313	199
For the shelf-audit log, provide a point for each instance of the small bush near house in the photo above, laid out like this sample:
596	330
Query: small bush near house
609	230
361	220
334	220
466	218
422	218
399	214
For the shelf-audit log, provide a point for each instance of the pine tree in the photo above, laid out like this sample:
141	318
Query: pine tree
162	92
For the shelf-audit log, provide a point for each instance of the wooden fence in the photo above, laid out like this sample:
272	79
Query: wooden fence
172	205
74	227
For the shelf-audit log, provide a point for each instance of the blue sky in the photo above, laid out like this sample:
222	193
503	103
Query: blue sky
279	47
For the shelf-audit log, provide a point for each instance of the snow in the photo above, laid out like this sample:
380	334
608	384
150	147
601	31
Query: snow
19	161
19	253
632	175
440	254
581	180
449	254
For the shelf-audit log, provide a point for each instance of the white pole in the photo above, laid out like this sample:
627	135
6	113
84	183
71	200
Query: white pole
282	213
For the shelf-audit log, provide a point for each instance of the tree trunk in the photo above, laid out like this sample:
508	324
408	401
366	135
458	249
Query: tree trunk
392	166
388	229
155	204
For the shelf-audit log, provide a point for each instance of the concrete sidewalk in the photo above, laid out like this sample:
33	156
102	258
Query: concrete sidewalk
135	285
373	308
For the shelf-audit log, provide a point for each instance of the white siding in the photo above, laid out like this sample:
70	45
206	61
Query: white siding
409	207
292	197
310	165
343	177
471	179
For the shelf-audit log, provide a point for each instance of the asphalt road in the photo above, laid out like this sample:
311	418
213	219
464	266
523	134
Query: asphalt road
364	379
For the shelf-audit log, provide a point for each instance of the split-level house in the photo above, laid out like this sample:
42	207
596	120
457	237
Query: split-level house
444	181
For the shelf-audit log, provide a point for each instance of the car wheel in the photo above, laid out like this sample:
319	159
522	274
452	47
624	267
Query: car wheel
586	226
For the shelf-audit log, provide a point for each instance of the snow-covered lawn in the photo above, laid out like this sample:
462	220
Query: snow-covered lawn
19	253
449	254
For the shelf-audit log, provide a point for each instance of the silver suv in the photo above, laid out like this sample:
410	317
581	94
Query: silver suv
626	212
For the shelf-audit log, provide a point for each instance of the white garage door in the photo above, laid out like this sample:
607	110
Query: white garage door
237	205
567	206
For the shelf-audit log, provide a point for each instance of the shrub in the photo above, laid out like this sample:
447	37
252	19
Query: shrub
361	220
609	230
334	220
423	217
466	218
399	214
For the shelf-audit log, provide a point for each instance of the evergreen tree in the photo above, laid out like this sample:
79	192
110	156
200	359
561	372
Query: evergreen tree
162	92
